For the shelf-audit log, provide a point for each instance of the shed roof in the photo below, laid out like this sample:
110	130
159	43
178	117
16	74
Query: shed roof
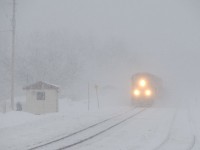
41	85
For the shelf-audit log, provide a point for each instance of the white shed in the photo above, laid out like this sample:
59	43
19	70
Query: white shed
41	98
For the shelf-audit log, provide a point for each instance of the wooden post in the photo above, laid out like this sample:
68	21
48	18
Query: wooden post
88	96
96	88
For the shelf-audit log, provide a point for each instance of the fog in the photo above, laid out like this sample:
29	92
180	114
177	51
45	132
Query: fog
72	43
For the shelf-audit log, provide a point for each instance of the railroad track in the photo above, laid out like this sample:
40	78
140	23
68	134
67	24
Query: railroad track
169	133
194	130
190	146
88	133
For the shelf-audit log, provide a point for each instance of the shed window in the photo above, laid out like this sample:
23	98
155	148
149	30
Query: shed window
40	95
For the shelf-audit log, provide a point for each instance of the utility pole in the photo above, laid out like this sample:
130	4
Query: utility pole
13	56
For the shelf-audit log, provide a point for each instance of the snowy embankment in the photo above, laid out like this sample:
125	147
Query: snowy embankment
21	130
156	128
15	118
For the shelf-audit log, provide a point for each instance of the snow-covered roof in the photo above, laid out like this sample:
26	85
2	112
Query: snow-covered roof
41	85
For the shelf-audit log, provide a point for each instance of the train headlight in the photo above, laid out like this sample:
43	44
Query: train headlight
136	92
148	92
142	83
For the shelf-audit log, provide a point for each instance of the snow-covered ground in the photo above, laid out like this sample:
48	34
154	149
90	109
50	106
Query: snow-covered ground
167	128
24	130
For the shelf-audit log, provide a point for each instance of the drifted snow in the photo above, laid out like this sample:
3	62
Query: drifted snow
20	130
24	130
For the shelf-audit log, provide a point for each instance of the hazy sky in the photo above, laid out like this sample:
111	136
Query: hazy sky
162	36
153	24
143	25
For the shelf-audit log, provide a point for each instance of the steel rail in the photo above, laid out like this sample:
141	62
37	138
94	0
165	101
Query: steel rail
169	133
190	147
79	131
101	132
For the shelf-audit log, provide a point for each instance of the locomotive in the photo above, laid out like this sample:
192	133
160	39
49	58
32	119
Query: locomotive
145	89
